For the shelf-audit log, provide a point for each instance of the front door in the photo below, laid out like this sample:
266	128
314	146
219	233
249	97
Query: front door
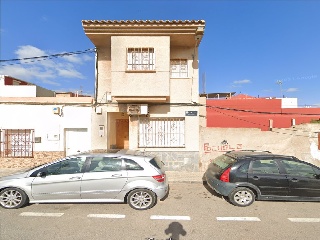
76	140
122	134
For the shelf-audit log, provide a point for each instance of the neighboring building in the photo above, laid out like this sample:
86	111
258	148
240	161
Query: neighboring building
226	110
147	94
13	87
36	127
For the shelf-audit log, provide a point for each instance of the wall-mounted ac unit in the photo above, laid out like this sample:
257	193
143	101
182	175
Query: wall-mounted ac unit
56	110
137	109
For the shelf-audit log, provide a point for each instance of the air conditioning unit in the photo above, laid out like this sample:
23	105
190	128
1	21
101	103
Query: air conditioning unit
56	110
137	109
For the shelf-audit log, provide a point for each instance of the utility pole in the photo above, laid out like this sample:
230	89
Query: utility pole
279	82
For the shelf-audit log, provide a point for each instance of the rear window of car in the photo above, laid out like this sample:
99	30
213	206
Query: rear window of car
156	163
223	161
132	165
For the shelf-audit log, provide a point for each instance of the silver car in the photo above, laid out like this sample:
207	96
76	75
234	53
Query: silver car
138	180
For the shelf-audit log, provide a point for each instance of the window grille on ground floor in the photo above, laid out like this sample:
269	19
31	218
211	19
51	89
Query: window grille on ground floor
16	143
161	132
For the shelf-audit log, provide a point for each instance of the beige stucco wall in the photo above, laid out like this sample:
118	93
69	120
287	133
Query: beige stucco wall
301	142
134	83
160	111
104	74
185	89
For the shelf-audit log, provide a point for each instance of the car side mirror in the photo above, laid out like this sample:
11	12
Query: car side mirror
41	174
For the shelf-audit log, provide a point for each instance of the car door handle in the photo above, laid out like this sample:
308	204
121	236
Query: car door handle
255	178
116	175
294	180
75	178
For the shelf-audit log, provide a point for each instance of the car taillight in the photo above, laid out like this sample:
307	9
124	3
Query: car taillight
160	178
225	175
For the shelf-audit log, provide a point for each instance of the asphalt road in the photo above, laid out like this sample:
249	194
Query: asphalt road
190	211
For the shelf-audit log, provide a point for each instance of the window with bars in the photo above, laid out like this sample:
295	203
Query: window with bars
178	68
161	132
140	59
16	143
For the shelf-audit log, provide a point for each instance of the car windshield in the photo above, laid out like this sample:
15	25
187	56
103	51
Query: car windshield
223	161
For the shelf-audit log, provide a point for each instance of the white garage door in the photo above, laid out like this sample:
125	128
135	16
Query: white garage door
77	140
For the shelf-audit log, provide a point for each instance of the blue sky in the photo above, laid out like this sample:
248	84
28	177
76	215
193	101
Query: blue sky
247	48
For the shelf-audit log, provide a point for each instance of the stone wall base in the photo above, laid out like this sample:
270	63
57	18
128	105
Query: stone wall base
38	159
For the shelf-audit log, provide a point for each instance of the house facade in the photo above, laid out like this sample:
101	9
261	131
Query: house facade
147	88
36	126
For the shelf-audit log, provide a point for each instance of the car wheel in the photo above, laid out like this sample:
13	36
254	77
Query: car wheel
242	197
13	198
141	199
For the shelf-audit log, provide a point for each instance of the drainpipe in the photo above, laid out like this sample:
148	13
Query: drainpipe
96	77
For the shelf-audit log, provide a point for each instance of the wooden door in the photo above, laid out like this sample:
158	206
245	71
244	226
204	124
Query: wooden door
122	133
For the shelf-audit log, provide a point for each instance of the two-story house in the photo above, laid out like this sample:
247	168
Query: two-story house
147	88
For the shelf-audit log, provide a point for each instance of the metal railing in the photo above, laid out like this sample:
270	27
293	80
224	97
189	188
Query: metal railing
16	143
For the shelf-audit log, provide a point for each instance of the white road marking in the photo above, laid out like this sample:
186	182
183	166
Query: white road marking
106	216
160	217
304	219
39	214
251	219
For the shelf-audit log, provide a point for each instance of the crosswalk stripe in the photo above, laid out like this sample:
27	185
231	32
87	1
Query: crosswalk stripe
106	216
251	219
40	214
304	219
160	217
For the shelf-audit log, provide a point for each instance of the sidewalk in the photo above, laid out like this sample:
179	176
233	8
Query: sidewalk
173	176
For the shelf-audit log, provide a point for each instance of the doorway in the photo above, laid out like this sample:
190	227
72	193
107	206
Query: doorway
122	133
77	140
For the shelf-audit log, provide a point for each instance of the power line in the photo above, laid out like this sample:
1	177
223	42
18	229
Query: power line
41	58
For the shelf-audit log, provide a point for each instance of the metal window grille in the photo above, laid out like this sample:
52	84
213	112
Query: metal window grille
179	68
16	143
140	59
160	132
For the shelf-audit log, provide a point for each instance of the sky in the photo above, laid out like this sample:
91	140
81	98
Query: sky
260	48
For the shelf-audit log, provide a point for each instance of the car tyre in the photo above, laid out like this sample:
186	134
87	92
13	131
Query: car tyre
242	197
141	199
12	198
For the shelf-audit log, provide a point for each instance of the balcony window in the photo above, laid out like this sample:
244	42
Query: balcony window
161	132
140	59
16	143
178	68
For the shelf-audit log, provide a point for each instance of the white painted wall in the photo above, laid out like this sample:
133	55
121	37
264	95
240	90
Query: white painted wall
18	91
45	123
289	102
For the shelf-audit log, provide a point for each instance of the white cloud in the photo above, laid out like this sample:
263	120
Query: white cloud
292	90
44	70
29	51
69	73
245	81
78	59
